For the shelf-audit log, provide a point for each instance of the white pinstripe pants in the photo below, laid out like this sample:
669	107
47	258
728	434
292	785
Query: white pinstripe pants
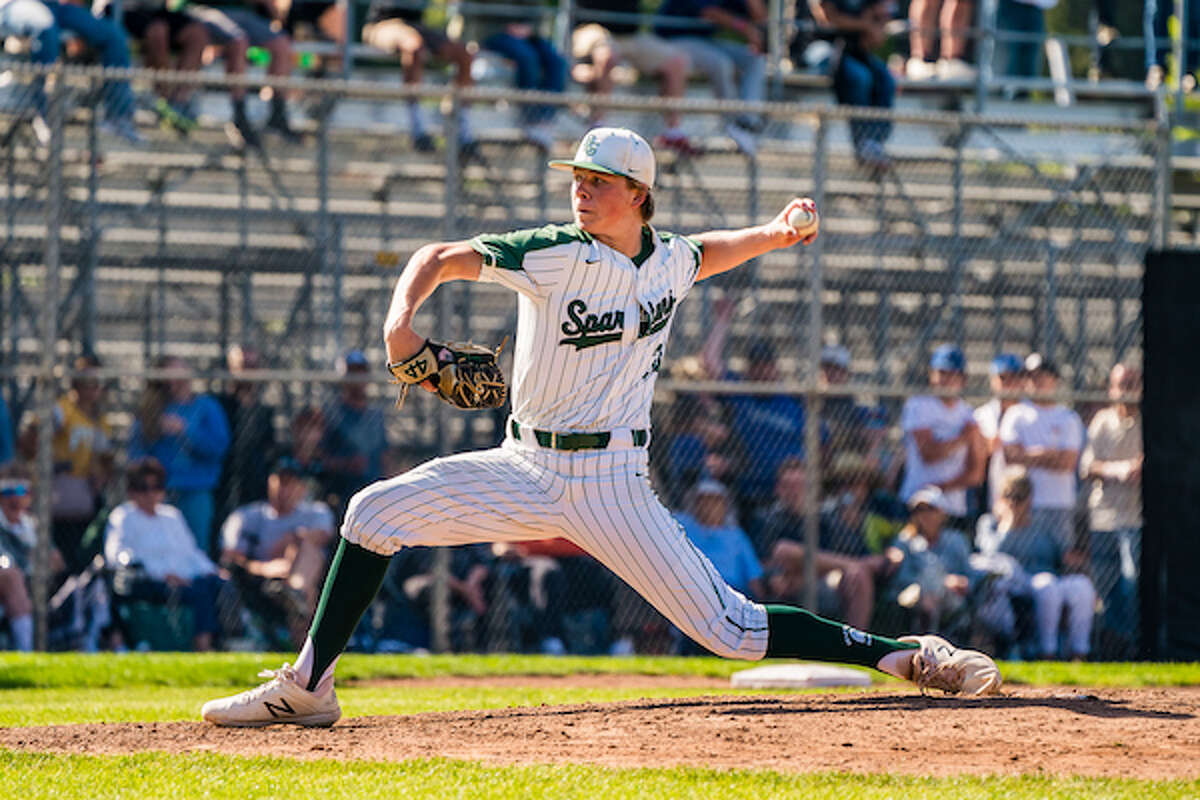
599	499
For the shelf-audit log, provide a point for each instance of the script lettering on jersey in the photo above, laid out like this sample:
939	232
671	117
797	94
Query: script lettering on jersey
585	330
657	317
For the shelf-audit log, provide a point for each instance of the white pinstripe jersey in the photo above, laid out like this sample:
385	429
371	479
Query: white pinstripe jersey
592	323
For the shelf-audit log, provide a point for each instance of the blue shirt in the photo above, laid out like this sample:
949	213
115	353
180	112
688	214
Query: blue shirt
354	432
771	428
6	433
192	458
729	550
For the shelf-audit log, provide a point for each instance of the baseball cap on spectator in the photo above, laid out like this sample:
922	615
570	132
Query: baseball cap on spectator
1036	362
355	361
711	486
948	358
930	496
835	355
13	487
760	352
287	465
1005	364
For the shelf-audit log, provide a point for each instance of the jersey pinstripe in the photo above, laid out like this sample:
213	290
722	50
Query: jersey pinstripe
592	325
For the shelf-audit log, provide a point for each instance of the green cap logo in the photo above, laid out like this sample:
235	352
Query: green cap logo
591	146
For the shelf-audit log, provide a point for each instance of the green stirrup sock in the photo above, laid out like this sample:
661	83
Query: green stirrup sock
353	581
797	633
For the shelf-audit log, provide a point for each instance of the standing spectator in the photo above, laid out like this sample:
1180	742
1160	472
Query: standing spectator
83	457
1112	467
1046	437
394	26
942	445
18	536
151	538
235	28
608	43
251	435
188	434
1025	18
1006	377
953	19
308	449
1044	564
852	426
724	59
355	435
276	549
539	64
860	78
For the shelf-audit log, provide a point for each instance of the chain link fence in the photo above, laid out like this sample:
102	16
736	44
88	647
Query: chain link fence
805	400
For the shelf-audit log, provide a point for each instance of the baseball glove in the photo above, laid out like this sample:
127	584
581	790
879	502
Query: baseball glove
464	375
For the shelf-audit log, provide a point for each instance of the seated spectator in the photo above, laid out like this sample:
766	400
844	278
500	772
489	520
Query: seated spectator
1111	466
150	539
952	18
409	584
251	435
942	444
159	30
18	537
355	434
44	21
860	78
189	435
539	64
324	19
698	445
608	43
934	576
83	459
394	26
847	588
1006	376
723	59
235	28
1044	564
858	516
1045	437
276	550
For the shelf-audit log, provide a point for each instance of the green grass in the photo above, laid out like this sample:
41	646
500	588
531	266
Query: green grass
157	775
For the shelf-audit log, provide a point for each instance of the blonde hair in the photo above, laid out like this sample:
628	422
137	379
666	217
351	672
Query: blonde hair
1016	486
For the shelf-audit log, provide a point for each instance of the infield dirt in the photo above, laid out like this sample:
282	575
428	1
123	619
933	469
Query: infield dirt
1143	733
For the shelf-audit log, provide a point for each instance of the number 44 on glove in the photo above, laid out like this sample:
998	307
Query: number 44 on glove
464	375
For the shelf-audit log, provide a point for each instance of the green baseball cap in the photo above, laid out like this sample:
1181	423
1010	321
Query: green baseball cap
615	151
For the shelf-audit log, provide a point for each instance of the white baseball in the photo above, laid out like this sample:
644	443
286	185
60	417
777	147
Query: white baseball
803	221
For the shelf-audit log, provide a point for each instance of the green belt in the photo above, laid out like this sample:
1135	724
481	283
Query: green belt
577	441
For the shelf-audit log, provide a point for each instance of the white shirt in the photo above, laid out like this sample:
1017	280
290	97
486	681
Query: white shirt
1053	427
162	543
987	417
592	324
944	422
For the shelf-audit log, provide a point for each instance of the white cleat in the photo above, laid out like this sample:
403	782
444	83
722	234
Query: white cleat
280	700
937	664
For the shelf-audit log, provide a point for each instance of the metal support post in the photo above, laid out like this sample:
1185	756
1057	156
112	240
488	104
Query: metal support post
812	408
775	49
347	48
1161	213
46	383
91	255
986	53
322	233
563	25
957	325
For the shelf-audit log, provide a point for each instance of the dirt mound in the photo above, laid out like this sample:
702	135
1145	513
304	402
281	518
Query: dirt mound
1152	733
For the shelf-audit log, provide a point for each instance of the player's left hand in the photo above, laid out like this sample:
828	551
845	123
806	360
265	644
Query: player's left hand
784	231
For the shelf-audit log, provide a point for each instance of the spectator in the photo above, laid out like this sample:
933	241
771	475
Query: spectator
234	28
852	427
698	445
8	442
711	527
564	597
1006	378
860	78
325	18
1045	437
307	448
189	435
1025	18
394	26
858	515
276	550
355	436
1043	561
942	444
723	59
18	536
151	538
539	64
1112	467
251	435
44	21
83	457
935	575
783	529
953	19
608	43
159	30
